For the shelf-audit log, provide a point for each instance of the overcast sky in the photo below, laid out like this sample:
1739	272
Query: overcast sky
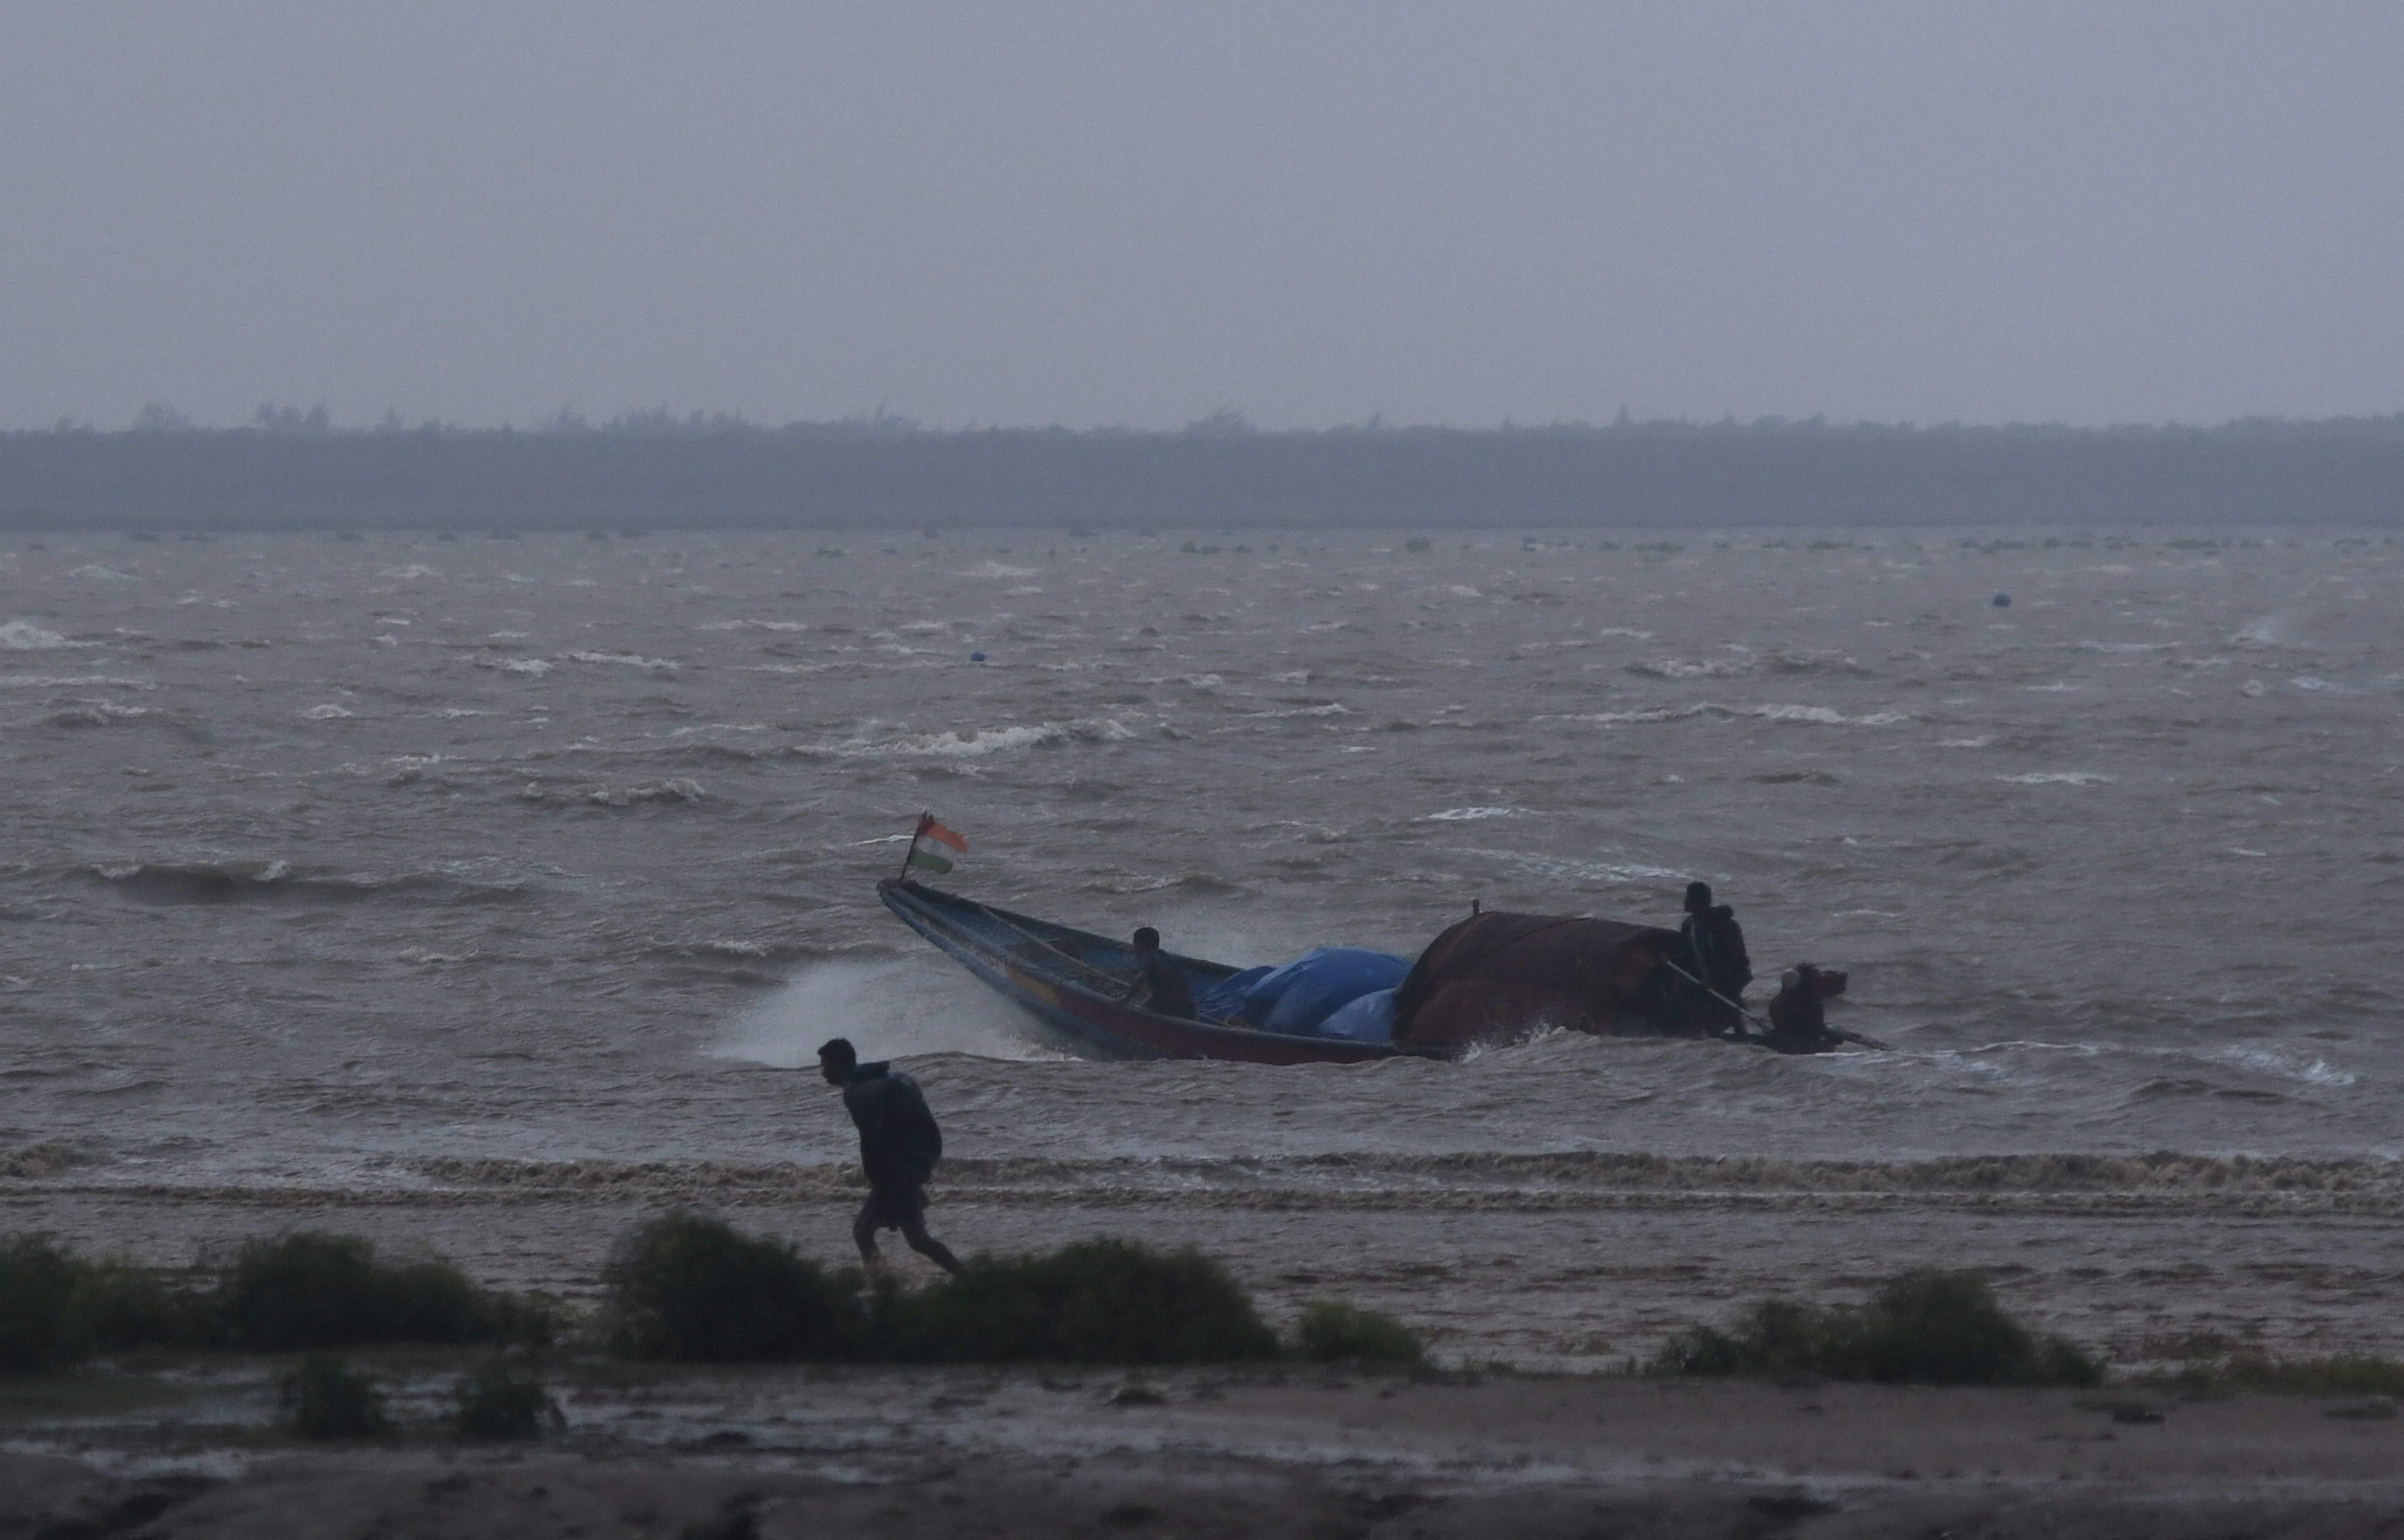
1138	214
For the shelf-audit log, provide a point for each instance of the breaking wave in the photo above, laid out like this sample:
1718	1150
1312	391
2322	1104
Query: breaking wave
986	740
25	636
1824	715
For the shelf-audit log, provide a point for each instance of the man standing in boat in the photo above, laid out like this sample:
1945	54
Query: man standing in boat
1716	954
899	1146
1158	979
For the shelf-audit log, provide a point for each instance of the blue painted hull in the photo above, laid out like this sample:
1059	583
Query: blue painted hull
1070	981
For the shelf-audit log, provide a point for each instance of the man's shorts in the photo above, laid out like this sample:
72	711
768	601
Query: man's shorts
894	1207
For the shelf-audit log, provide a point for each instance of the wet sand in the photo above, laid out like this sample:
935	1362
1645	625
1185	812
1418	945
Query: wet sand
793	1453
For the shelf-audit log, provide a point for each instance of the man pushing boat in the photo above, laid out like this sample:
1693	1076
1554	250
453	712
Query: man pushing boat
1715	947
899	1146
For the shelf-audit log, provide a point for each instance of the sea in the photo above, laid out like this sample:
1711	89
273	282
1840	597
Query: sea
400	863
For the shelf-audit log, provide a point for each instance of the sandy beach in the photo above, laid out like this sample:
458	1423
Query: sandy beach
1571	1275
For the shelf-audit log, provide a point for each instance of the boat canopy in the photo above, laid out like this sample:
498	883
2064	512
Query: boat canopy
1497	974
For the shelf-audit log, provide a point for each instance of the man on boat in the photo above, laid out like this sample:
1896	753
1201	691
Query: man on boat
1798	1014
899	1146
1158	979
1716	954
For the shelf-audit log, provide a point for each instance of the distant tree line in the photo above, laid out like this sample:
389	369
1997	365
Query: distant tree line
294	469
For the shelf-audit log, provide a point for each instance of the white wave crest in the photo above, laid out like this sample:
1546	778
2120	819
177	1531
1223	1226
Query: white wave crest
64	681
98	714
327	712
988	741
625	659
2311	1070
2058	778
1464	815
996	569
1821	715
25	636
1680	668
676	789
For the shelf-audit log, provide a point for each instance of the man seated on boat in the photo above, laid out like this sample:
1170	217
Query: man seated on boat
1715	955
899	1146
1798	1014
1159	983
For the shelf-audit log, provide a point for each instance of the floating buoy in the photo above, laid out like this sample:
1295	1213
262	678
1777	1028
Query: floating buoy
2002	600
976	658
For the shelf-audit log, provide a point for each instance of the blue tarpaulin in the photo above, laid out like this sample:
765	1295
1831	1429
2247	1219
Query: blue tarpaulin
1369	1018
1225	1001
1297	998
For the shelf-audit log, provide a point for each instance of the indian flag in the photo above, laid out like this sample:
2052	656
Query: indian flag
928	847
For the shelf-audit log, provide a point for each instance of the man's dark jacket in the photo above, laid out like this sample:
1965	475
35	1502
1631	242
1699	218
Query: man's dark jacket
899	1142
1716	944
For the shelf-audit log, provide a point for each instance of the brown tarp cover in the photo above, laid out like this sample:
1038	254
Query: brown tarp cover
1497	974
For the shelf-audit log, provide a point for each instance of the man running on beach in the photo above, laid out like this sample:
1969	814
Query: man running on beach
899	1146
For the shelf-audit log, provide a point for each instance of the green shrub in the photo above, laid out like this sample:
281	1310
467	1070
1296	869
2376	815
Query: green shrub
1096	1302
39	1329
57	1308
688	1288
1930	1328
1333	1332
123	1306
310	1290
496	1403
1926	1328
693	1288
326	1398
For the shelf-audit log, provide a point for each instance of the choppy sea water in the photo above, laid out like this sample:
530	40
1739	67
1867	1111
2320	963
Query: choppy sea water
397	863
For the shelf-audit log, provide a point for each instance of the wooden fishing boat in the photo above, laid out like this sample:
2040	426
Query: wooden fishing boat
1071	980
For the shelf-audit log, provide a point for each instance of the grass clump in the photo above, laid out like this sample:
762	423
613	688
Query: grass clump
1332	1331
326	1398
1098	1301
38	1329
2343	1374
496	1404
57	1308
693	1288
1927	1327
310	1290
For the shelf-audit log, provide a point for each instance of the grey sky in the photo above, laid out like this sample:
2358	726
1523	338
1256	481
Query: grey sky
1133	214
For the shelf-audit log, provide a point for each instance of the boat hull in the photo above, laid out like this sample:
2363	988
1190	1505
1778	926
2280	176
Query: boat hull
1070	980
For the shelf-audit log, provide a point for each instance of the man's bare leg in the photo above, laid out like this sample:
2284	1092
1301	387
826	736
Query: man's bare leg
928	1247
863	1232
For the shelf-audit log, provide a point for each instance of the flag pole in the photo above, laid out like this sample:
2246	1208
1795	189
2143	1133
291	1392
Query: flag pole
924	819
